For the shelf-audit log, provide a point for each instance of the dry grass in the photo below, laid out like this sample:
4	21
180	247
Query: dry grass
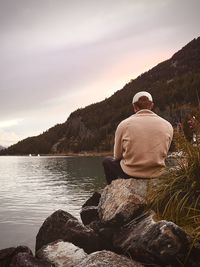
177	195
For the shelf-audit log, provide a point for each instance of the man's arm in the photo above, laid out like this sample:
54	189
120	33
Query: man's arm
118	149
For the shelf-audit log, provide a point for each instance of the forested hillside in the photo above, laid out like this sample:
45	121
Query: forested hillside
174	85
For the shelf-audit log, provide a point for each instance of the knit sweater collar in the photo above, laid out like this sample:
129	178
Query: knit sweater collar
145	111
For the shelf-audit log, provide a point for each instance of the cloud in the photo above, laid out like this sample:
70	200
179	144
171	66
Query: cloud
8	138
9	123
8	134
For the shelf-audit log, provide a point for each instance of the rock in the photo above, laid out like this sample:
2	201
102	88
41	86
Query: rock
107	259
24	259
105	234
53	228
89	214
93	200
122	200
7	254
62	225
82	236
61	254
152	242
89	211
193	257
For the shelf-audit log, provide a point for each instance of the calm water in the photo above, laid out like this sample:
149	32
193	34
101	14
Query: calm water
32	188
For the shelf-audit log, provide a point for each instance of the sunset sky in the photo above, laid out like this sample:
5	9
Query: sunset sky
60	55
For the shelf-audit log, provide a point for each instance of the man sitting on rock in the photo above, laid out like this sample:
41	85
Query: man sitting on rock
141	144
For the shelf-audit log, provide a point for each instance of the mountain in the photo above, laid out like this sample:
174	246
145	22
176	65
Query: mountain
174	84
1	147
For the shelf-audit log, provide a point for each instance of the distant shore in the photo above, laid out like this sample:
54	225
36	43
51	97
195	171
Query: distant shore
71	154
81	154
88	154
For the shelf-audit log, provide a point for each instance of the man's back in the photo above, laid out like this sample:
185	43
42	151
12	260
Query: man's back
141	143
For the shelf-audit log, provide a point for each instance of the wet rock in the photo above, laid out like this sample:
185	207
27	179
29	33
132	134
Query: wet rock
108	258
122	200
61	254
24	259
152	242
89	214
93	200
7	254
53	228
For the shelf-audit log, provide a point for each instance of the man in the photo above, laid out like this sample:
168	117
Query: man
141	144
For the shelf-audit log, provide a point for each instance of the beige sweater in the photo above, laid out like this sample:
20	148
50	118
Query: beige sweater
141	143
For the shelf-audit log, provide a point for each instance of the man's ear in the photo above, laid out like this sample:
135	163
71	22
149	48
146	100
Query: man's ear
135	108
152	105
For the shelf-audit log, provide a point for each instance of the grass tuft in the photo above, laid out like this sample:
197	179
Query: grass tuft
176	197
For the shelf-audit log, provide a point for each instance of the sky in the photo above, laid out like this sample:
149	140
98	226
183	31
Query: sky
60	55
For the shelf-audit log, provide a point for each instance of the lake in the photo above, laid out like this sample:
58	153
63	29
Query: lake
32	188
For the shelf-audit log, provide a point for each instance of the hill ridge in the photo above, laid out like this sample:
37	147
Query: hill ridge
173	83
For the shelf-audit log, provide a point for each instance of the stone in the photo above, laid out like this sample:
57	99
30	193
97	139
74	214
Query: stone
152	242
89	211
82	236
7	254
105	234
107	259
53	228
62	225
24	259
61	254
93	200
122	200
89	214
192	258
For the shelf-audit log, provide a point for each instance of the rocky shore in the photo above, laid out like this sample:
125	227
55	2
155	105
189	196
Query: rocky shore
117	230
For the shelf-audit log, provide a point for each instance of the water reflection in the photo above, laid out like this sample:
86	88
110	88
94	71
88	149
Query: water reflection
31	188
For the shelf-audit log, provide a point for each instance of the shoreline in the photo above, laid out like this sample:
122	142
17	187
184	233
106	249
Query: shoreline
80	154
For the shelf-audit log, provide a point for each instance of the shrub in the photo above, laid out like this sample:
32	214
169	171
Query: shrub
177	194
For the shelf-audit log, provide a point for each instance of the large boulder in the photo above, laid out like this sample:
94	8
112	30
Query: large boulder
62	225
53	228
122	200
152	242
24	259
108	258
7	254
61	254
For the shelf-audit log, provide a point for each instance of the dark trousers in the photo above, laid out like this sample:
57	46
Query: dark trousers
113	170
